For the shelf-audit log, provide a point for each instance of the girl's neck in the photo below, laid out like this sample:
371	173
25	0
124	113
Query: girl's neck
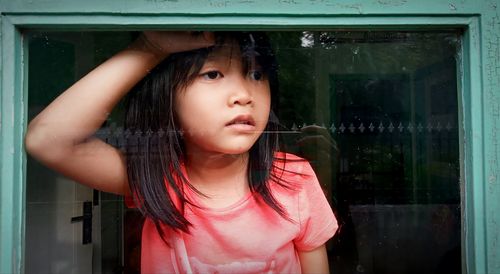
218	175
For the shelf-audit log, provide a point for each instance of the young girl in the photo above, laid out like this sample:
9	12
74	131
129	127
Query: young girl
203	165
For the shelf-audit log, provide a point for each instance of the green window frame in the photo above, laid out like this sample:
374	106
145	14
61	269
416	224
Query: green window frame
479	84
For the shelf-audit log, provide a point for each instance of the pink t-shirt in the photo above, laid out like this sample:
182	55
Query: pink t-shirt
248	236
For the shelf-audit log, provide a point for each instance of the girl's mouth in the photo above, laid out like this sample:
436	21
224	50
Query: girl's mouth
242	122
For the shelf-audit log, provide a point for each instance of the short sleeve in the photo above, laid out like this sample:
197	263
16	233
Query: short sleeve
317	221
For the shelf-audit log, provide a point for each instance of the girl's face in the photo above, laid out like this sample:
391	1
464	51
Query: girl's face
225	109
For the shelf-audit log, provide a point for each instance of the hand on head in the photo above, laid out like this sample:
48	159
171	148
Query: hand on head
168	42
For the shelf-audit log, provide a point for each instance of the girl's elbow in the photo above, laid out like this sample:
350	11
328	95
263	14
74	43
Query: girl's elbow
40	145
33	143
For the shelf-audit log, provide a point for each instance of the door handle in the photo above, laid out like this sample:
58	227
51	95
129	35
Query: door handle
86	218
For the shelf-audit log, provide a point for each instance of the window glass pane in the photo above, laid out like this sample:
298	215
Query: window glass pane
384	105
375	112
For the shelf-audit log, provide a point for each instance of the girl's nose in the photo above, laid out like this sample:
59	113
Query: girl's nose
241	93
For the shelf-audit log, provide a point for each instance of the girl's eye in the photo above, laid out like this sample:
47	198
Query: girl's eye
256	75
211	75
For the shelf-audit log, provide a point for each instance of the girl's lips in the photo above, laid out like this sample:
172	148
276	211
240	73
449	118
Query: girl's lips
242	127
242	123
245	120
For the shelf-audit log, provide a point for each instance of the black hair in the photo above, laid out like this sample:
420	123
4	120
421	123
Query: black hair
154	151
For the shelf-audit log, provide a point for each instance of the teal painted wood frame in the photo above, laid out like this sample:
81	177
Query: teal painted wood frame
479	84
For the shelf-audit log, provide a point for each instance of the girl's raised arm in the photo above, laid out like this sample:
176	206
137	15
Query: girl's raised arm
60	136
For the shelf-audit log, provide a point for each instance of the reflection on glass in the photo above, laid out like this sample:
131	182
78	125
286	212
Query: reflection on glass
375	112
388	101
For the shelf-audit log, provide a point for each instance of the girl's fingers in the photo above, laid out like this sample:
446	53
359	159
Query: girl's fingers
201	40
209	37
178	41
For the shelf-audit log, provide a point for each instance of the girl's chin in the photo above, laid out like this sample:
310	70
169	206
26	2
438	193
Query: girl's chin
237	150
227	146
220	150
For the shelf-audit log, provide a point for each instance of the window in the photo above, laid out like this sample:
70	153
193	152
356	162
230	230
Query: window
422	159
376	112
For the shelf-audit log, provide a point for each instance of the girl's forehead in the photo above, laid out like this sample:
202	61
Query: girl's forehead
232	50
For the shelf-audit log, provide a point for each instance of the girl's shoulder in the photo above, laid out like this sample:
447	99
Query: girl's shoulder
300	193
293	174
